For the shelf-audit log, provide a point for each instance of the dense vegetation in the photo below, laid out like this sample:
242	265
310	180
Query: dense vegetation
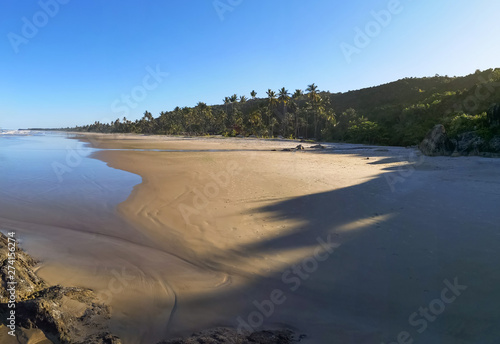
397	113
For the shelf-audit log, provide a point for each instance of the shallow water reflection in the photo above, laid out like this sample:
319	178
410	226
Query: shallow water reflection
51	170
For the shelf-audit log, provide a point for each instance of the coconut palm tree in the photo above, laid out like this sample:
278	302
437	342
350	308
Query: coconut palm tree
295	108
271	97
312	92
233	99
253	94
243	99
271	103
284	97
315	99
297	94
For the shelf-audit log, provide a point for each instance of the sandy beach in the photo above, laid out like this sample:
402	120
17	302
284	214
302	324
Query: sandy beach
346	244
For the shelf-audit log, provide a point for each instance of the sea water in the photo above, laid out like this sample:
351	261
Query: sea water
44	172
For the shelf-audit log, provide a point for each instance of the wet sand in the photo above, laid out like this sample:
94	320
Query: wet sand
342	244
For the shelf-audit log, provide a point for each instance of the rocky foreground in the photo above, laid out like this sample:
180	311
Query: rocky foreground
64	315
75	315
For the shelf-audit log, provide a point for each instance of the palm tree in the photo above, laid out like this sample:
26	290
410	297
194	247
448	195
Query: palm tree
233	99
271	101
314	98
226	101
296	95
312	92
253	94
271	97
148	122
243	99
284	97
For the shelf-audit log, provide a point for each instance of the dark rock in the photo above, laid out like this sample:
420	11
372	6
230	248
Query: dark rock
494	115
287	150
231	336
494	144
470	143
64	315
71	315
27	281
437	142
299	147
102	339
318	146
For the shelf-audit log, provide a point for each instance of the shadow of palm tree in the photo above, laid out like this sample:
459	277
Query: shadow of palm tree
397	247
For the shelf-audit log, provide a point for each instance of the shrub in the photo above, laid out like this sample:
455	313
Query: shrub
463	123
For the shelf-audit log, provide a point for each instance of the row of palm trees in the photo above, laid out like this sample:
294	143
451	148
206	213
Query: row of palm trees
283	97
279	113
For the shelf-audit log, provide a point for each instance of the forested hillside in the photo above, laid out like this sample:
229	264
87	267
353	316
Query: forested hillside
397	113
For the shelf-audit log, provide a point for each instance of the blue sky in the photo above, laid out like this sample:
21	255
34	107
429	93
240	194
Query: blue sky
82	57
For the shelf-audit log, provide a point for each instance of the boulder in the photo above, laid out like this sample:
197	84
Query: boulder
437	142
494	144
318	146
470	143
494	115
299	147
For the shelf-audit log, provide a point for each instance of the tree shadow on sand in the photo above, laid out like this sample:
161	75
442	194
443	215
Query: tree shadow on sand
396	248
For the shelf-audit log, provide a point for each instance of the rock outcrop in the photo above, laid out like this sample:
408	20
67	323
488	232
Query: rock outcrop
494	144
470	143
230	336
437	142
318	146
27	281
64	315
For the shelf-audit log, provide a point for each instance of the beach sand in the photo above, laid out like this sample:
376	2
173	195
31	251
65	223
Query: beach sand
342	244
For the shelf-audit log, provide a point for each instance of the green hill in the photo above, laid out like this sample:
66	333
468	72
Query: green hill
397	113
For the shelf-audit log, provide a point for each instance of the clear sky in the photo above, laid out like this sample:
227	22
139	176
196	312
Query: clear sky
72	62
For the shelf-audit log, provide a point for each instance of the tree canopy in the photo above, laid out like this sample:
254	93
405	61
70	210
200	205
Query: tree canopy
397	113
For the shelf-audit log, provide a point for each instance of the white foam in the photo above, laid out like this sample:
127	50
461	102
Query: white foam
19	132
